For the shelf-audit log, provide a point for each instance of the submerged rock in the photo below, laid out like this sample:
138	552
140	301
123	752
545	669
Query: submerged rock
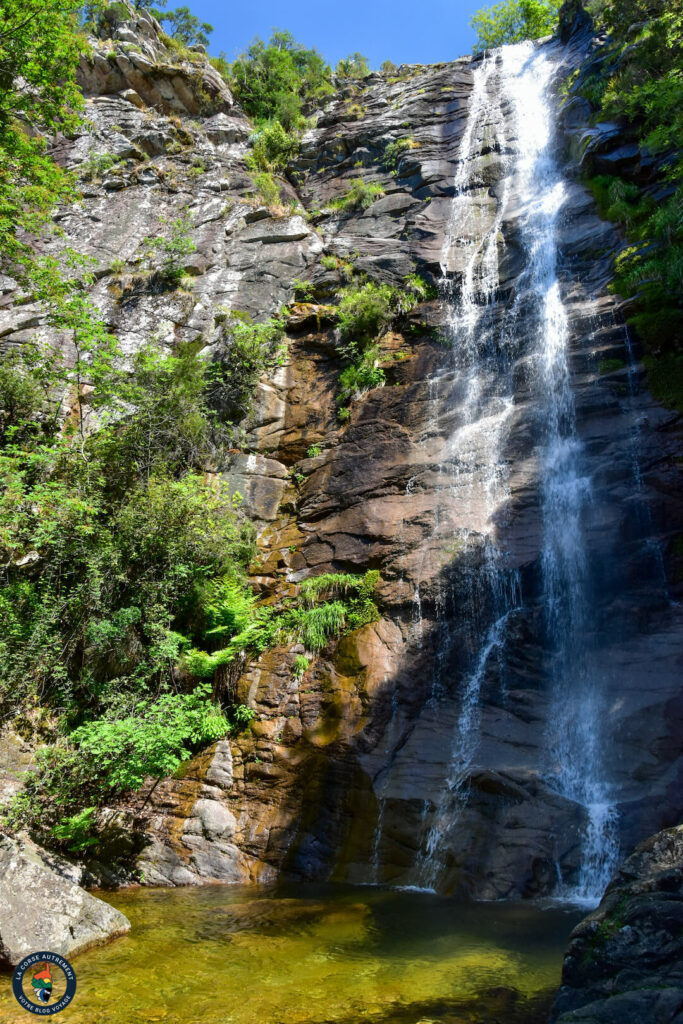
42	907
624	964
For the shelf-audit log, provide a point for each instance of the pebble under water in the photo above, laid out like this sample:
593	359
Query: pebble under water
314	954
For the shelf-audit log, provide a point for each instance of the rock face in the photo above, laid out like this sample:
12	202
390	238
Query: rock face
624	964
344	771
41	908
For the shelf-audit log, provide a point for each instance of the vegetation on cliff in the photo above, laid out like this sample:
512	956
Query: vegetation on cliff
637	82
513	21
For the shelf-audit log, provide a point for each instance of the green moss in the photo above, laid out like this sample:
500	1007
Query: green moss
611	365
665	379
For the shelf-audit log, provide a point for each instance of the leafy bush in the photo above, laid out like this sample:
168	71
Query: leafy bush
394	151
513	21
641	86
96	165
280	81
301	666
247	350
172	248
112	755
365	310
314	451
353	66
274	147
267	188
303	290
361	376
360	196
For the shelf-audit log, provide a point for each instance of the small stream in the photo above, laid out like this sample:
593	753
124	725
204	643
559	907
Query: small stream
314	954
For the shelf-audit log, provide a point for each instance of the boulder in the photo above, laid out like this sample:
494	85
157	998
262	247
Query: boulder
625	960
40	908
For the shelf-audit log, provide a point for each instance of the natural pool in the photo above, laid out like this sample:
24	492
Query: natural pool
314	954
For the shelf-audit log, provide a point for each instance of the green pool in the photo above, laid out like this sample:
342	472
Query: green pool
223	955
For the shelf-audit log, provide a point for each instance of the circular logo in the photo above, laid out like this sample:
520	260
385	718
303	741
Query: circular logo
44	983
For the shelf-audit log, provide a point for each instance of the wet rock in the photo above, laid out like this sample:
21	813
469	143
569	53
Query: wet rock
624	963
42	909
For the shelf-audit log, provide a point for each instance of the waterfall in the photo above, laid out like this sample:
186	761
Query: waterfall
472	458
574	738
510	113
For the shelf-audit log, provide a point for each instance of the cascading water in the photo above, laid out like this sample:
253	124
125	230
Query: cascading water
472	457
574	739
510	113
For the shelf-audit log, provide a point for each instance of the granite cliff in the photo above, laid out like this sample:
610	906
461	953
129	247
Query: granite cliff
345	771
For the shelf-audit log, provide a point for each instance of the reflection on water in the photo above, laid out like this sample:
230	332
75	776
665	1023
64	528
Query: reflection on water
224	955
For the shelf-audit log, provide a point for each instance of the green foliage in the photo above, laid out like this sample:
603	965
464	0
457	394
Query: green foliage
40	47
335	585
314	451
353	66
360	196
76	832
344	414
361	376
665	377
274	147
248	350
113	755
172	248
610	365
280	81
641	85
117	527
267	188
301	666
96	165
365	310
395	150
315	627
513	21
387	67
303	290
187	28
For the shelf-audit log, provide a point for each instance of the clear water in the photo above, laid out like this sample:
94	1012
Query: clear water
224	955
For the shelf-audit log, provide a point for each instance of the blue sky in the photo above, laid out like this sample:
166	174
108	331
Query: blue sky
423	32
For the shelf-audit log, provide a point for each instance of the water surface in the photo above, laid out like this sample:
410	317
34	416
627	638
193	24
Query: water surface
312	954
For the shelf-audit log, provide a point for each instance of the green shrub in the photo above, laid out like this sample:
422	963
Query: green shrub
314	451
171	249
303	290
360	377
274	147
248	350
280	80
365	310
610	365
267	188
96	165
395	150
640	85
353	66
513	21
360	196
301	666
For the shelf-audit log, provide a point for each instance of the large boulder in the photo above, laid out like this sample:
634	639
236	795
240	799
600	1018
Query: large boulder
41	907
624	964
